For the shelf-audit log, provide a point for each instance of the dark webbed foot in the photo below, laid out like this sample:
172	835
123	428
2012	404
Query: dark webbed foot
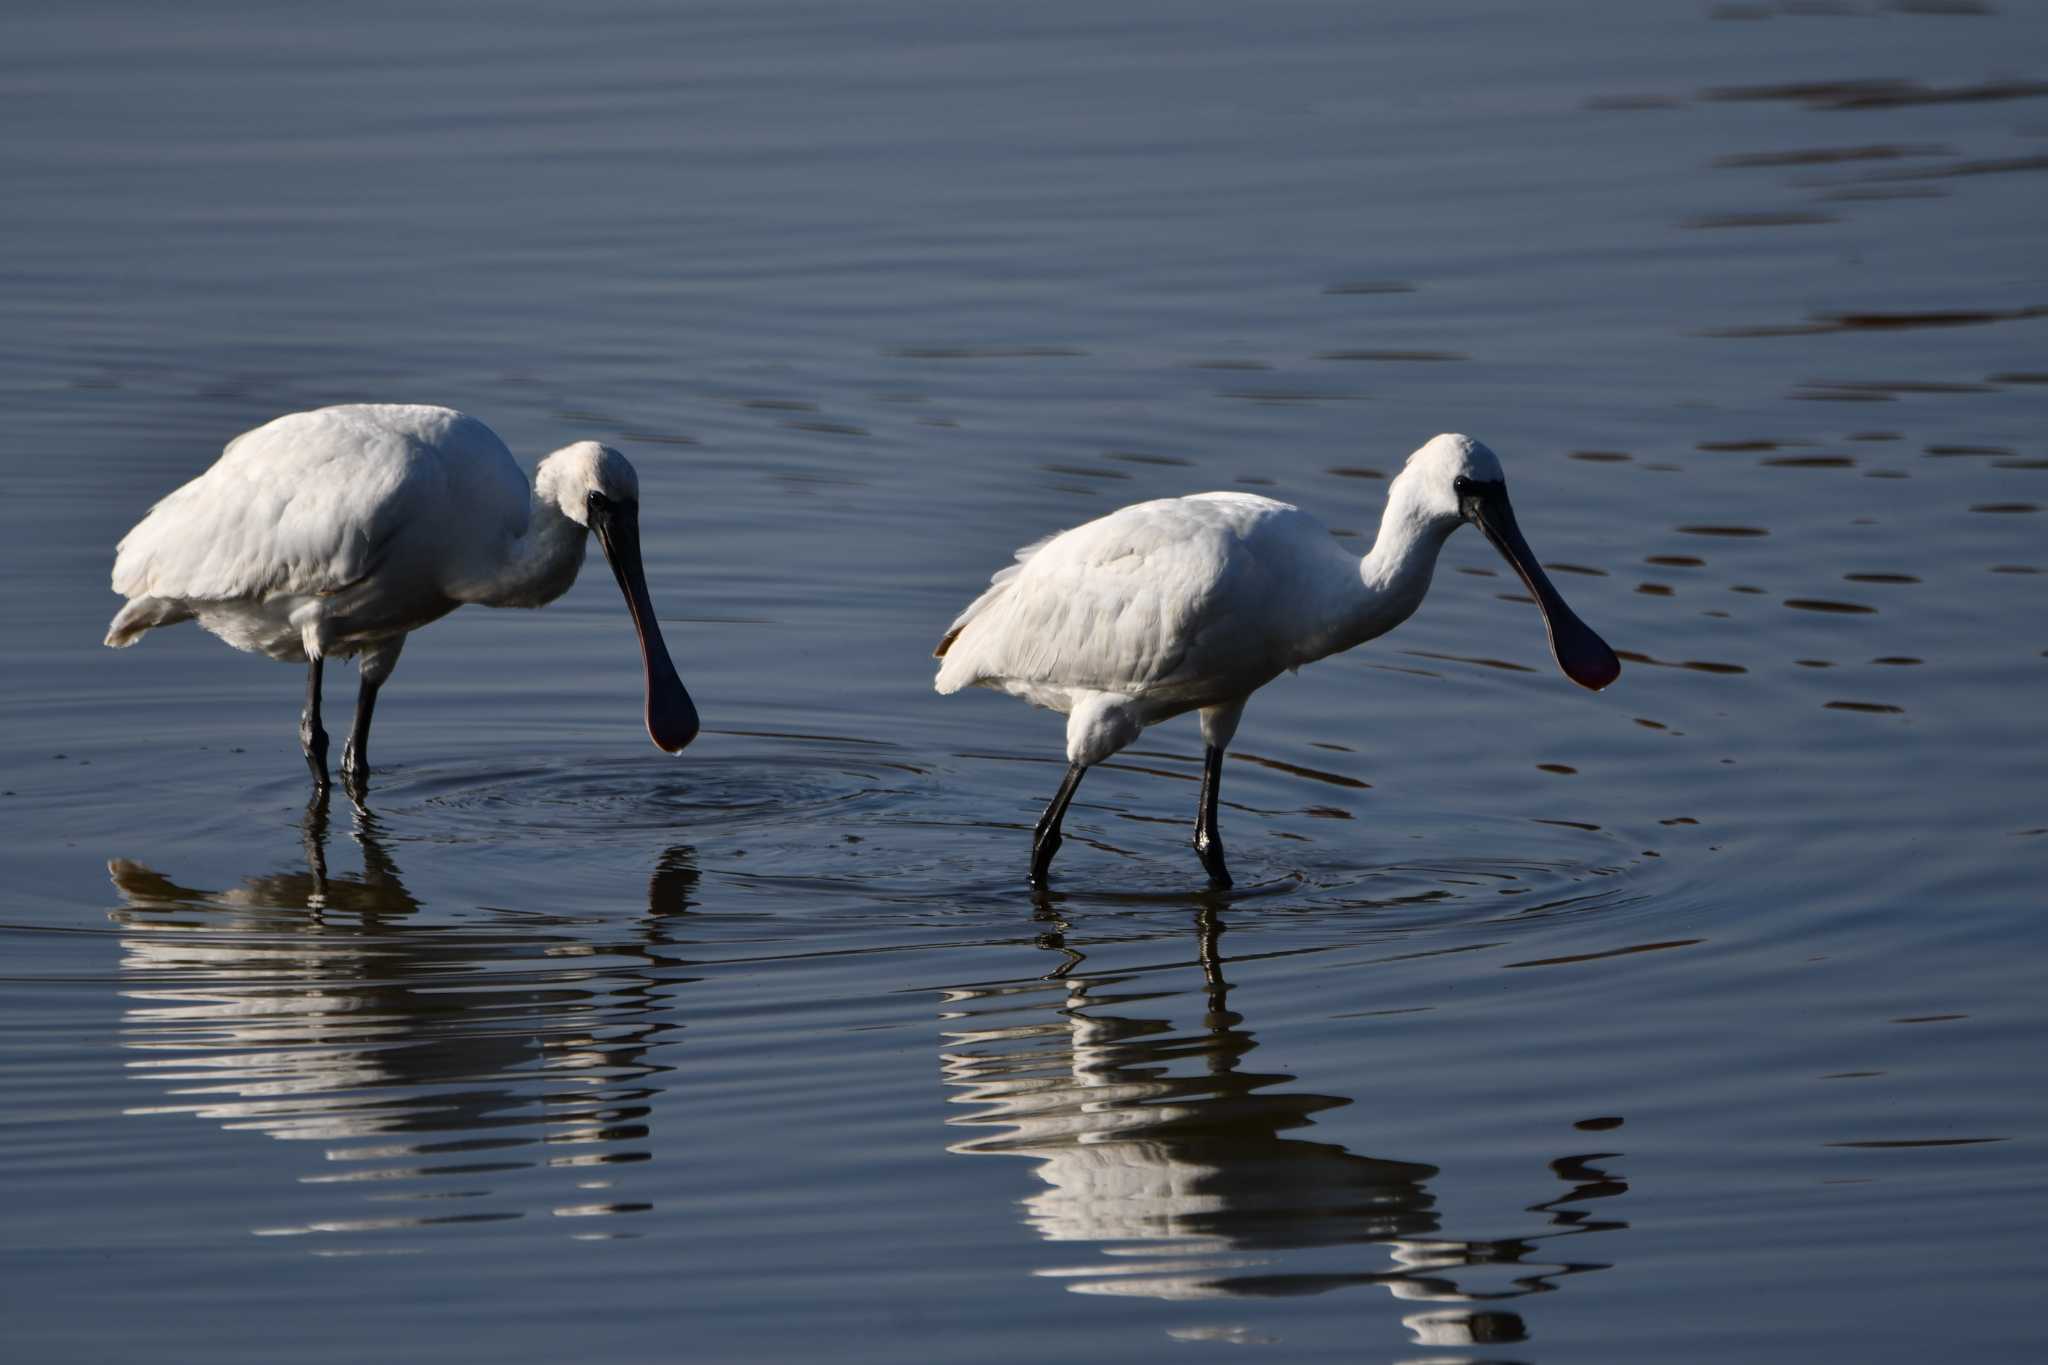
355	773
313	740
1210	851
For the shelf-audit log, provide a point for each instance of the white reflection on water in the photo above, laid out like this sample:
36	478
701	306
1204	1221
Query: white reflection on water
439	1061
1160	1145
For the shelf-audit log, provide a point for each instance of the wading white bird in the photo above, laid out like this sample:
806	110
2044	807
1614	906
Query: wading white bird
337	532
1193	604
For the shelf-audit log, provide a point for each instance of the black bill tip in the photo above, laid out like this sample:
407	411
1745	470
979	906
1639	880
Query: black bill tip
1583	656
671	718
671	715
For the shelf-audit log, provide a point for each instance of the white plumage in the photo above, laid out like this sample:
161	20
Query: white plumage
1195	603
293	517
337	532
1158	608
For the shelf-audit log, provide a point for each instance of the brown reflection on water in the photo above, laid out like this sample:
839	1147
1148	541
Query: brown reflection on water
1823	604
1881	193
989	352
1818	324
1629	103
1758	219
499	1071
1369	287
1145	458
1809	462
1829	156
1887	388
1881	93
1290	396
1393	355
1694	665
2000	165
1297	770
1476	660
1177	1160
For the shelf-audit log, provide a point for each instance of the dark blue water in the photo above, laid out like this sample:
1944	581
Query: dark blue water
1698	1020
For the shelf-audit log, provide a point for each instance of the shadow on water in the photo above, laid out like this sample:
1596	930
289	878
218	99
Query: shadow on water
504	1067
1166	1149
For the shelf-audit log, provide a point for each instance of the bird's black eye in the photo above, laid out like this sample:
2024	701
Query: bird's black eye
1461	485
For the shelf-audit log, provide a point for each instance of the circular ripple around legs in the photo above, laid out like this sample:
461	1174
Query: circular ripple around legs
594	799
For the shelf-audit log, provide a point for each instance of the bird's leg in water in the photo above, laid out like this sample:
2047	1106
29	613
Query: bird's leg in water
376	663
312	738
1046	840
1209	839
355	753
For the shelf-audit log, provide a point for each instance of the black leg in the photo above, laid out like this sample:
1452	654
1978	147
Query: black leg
312	738
355	754
1208	839
1045	841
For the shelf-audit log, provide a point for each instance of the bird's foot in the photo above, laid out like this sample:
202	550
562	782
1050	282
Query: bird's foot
355	774
313	740
1210	851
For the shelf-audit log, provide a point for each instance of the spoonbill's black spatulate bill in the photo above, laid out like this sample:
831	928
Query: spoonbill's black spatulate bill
1193	604
340	531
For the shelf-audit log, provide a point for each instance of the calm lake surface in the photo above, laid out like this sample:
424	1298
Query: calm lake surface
1700	1020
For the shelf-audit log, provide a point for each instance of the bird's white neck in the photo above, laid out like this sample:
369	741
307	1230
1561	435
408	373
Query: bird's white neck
1391	581
543	563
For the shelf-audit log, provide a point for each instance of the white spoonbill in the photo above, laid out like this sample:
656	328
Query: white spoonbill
1193	604
340	531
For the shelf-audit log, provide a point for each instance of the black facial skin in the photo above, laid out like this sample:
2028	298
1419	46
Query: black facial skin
671	715
1584	656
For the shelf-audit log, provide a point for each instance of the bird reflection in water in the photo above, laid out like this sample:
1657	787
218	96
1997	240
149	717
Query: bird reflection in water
1166	1146
508	1066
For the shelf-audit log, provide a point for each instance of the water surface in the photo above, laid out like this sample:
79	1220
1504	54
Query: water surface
1698	1020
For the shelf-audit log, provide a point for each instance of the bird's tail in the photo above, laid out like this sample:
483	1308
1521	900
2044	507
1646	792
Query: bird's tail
144	613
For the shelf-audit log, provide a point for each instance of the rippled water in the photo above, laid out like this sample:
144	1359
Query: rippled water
1698	1020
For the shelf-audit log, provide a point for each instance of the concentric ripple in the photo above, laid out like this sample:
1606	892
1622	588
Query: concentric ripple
785	783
